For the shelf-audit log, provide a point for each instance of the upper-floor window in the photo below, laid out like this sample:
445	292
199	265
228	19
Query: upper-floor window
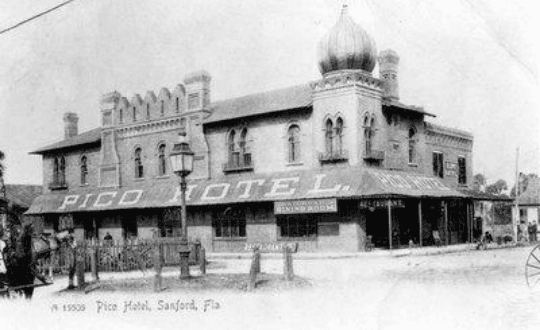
121	116
245	152
147	110
238	151
162	160
234	155
412	146
139	169
62	172
339	135
328	136
438	164
294	143
162	108
134	114
369	126
462	168
59	173
84	170
177	104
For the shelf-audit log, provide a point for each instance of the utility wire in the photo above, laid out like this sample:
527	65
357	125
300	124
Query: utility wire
35	16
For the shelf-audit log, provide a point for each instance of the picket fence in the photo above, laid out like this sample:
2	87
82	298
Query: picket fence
120	256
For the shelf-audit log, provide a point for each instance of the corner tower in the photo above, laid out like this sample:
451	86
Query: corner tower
348	97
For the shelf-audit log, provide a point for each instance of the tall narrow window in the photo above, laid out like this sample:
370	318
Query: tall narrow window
147	110
244	149
134	114
84	170
139	169
412	146
121	116
328	137
438	164
368	133
62	180
177	104
162	108
462	167
56	171
294	143
162	161
339	136
233	154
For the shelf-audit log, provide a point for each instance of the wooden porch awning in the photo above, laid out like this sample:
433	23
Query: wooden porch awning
353	182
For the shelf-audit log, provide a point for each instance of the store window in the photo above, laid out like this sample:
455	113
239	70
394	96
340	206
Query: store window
162	160
462	168
297	227
230	224
438	170
139	169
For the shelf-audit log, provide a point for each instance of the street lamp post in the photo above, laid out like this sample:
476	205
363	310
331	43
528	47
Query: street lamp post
182	165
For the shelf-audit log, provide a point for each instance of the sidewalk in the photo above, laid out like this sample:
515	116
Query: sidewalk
417	251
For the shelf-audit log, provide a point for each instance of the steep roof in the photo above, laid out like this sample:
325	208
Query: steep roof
22	195
295	97
531	196
88	137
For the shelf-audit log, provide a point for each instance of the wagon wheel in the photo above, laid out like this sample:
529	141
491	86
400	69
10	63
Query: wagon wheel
532	268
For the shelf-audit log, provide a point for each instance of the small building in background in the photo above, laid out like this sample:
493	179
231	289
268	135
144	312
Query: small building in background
529	208
15	201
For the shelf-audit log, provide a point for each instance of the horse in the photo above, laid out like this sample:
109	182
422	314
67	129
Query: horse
22	254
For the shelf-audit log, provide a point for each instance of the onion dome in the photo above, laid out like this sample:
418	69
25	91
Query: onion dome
347	46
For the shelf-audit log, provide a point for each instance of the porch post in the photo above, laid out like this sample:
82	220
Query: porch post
389	204
420	220
446	236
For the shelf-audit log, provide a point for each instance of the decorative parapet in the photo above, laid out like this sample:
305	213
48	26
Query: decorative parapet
347	78
334	156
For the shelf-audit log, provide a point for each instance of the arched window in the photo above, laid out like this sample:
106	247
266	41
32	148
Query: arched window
368	134
147	110
294	143
177	104
134	114
139	169
84	170
56	171
121	116
62	179
339	136
328	136
162	108
233	154
412	146
244	149
162	160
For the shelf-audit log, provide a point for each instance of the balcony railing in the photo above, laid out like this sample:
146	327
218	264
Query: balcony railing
373	155
57	184
333	156
238	163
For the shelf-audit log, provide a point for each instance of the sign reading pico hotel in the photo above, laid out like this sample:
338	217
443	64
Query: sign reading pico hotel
328	205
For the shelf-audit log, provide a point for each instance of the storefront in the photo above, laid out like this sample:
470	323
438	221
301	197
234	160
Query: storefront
316	210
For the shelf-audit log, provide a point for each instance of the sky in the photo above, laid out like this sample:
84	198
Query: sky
473	64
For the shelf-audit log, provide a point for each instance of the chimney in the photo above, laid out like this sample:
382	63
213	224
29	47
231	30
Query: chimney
70	125
388	69
198	90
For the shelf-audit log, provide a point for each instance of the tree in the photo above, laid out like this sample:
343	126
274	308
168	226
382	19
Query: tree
524	180
479	182
497	188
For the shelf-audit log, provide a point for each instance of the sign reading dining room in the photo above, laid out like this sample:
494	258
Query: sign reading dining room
328	205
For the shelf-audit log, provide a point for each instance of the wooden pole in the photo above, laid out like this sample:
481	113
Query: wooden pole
389	204
288	264
158	282
81	283
420	221
202	260
255	268
446	236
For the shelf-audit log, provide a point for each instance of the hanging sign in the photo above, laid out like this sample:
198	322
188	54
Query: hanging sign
450	169
328	205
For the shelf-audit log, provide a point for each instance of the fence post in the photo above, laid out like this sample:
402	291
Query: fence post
80	265
255	268
202	260
157	266
94	260
287	264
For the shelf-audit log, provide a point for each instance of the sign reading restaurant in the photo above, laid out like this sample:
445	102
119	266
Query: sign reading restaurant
328	205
